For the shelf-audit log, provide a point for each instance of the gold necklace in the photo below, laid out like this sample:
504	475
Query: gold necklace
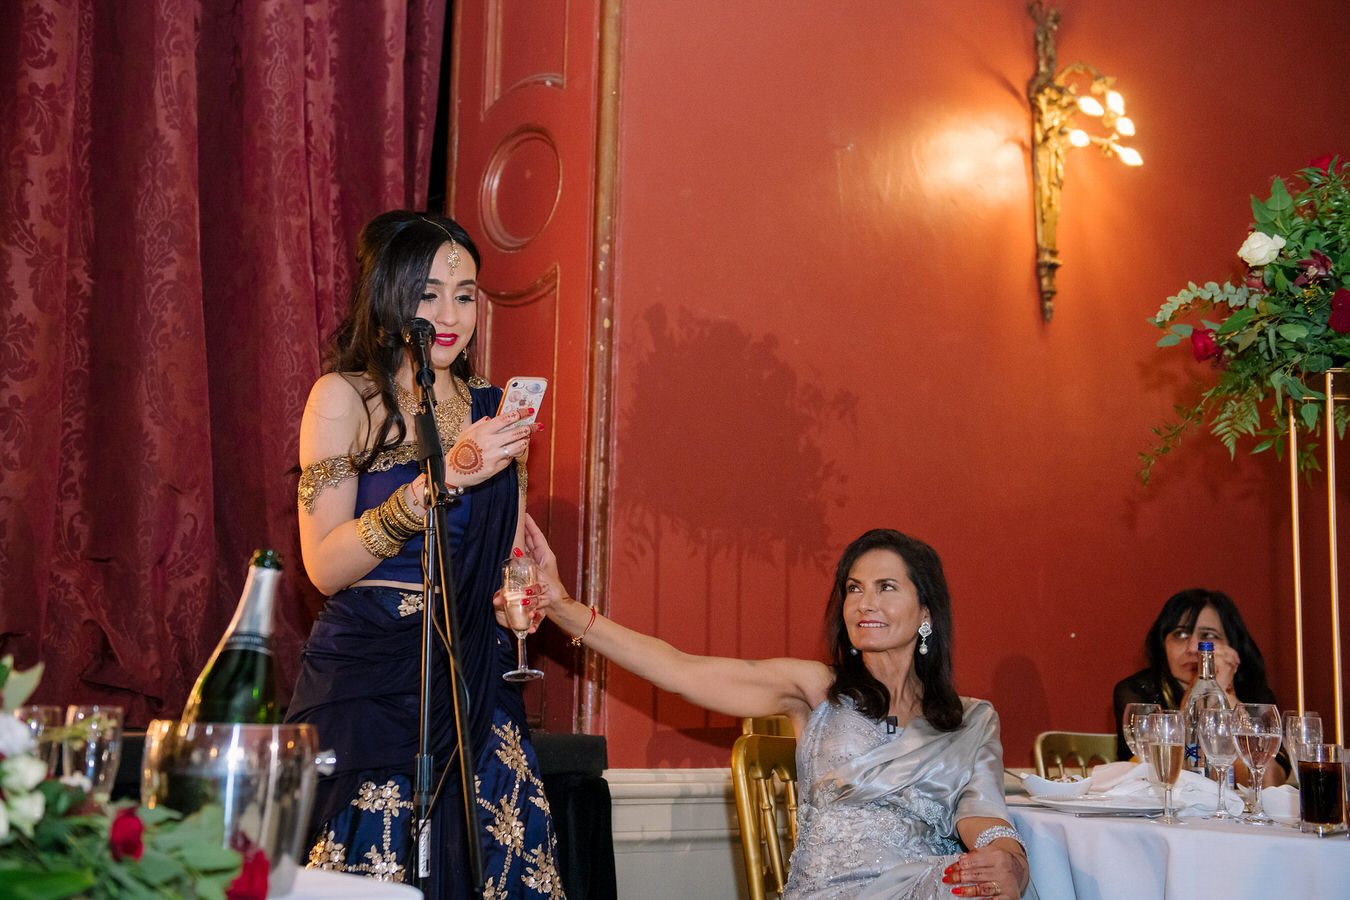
450	413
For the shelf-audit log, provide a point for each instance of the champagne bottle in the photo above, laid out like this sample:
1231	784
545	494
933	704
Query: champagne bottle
238	683
1204	694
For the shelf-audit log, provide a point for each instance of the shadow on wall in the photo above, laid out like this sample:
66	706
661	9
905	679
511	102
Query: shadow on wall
1018	685
733	456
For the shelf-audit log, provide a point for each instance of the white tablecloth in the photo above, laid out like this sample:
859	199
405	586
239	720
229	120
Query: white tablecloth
1138	859
316	884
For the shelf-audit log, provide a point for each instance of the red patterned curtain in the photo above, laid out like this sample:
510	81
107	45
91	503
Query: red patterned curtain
181	187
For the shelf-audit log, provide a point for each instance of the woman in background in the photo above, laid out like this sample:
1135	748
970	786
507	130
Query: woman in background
361	514
1172	649
896	772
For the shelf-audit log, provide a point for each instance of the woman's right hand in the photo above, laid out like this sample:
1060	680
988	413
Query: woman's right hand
486	447
546	563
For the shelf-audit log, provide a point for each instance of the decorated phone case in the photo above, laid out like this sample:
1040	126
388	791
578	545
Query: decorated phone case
524	393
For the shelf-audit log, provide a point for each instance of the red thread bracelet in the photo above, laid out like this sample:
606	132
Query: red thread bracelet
576	639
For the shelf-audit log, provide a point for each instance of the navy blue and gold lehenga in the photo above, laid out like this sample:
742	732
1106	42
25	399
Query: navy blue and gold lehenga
359	686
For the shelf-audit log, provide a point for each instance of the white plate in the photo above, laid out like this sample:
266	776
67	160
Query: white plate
1102	803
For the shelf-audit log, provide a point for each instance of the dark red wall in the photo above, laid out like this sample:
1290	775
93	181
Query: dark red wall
827	321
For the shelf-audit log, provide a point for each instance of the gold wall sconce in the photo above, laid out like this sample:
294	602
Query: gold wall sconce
1056	99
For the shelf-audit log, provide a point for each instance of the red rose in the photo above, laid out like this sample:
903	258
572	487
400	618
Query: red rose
124	835
1203	345
251	882
1340	321
1322	162
1340	299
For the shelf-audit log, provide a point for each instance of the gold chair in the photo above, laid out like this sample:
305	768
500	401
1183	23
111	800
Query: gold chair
777	725
1058	748
759	762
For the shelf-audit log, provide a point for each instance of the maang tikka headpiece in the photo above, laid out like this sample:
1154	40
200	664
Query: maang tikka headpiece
453	259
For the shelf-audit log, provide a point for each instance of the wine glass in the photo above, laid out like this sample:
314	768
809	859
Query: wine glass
93	747
1129	724
518	583
1216	739
44	724
1164	742
1299	730
1257	729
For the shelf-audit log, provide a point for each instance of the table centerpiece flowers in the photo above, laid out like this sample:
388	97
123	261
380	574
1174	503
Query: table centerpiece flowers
1274	335
57	842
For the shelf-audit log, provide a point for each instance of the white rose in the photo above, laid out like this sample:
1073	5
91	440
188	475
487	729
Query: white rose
25	810
1259	249
22	773
15	738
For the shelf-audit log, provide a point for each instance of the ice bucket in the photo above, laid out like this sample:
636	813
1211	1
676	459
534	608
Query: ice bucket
262	776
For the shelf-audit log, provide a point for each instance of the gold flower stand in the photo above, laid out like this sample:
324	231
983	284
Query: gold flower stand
1337	390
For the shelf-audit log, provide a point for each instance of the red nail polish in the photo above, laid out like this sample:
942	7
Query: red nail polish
947	879
530	411
948	870
516	551
529	591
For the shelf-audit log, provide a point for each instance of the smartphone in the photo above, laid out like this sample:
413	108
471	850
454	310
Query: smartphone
523	393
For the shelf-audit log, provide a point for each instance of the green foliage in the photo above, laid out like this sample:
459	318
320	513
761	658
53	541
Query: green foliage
68	853
1274	339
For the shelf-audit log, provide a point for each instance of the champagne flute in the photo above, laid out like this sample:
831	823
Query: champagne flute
518	583
1129	724
1164	742
1216	739
1257	729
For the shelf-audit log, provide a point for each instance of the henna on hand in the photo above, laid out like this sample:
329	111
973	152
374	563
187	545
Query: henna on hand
467	457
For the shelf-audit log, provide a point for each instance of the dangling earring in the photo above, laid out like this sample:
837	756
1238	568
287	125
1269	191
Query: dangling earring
924	631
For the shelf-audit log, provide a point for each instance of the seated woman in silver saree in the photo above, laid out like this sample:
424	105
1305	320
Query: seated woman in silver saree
896	772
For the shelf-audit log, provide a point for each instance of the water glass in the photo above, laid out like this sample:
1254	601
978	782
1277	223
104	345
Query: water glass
1257	729
93	746
1321	789
1220	746
44	724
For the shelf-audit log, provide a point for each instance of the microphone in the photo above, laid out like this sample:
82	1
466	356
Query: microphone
418	335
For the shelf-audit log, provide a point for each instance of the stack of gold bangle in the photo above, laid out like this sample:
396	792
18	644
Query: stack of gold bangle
384	529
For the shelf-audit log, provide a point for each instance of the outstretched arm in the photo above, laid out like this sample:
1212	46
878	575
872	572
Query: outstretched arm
735	687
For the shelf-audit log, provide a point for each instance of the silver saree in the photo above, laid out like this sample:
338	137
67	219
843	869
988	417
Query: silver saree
877	812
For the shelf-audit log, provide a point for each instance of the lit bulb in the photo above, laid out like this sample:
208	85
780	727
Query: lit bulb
1079	138
1115	102
1125	126
1129	156
1090	106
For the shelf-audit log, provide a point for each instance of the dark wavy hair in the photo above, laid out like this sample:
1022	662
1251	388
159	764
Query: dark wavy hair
852	679
394	256
1182	609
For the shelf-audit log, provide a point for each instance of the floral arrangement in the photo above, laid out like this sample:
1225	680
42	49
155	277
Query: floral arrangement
57	842
1273	336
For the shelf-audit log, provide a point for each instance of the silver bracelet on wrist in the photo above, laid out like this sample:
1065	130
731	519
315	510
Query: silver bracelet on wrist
994	832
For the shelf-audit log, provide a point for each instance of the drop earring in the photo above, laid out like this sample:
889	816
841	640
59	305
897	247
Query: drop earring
924	631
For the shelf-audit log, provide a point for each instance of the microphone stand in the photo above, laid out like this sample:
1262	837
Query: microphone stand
438	562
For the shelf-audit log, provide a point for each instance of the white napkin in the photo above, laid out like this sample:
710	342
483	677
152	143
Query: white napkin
1281	801
1194	794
